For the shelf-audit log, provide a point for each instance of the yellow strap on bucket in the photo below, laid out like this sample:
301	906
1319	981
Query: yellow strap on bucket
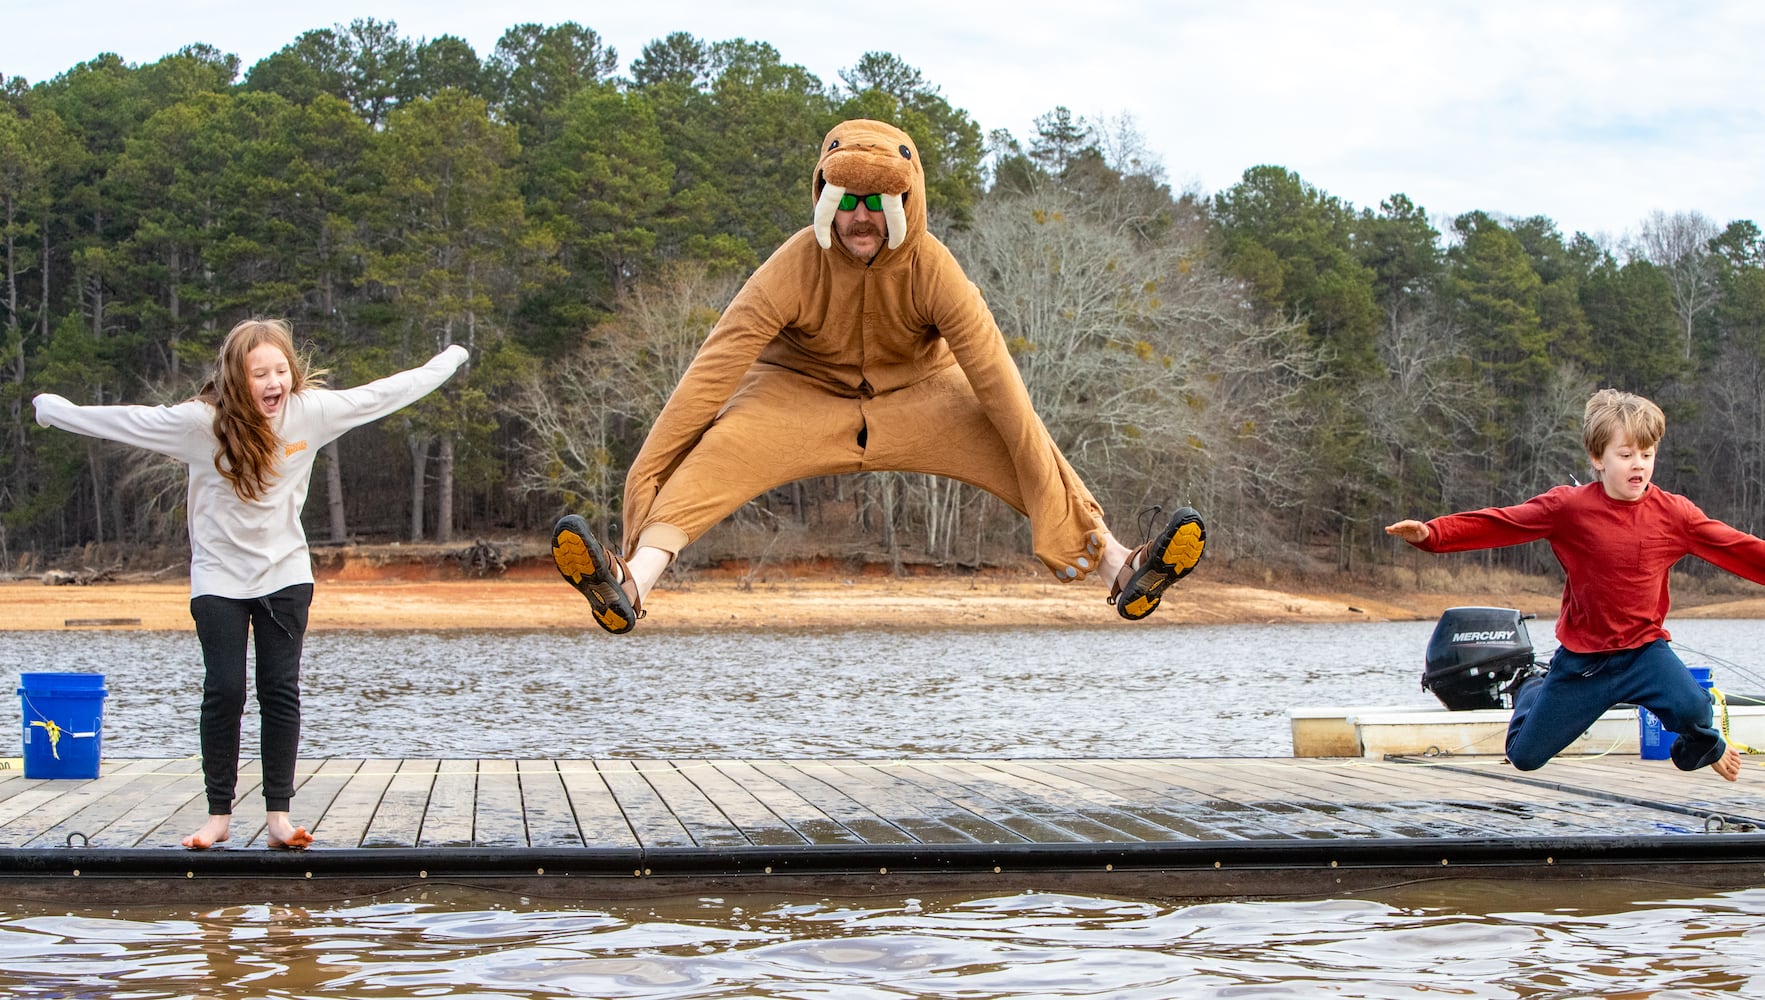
1722	703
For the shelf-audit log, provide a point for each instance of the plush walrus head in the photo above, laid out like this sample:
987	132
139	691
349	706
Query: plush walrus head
870	157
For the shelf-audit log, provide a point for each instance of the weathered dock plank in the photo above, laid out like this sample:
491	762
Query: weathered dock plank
704	820
498	818
70	807
750	817
345	823
1368	795
190	816
168	791
1615	792
1507	807
834	803
1483	802
13	780
802	817
1630	777
1331	791
23	804
453	805
1188	818
1044	804
926	818
951	782
398	819
104	807
545	806
1049	782
1243	795
652	821
598	814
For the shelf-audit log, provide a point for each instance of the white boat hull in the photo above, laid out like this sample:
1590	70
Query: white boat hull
1387	730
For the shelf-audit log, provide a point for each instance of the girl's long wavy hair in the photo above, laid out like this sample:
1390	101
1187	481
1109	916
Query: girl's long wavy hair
247	449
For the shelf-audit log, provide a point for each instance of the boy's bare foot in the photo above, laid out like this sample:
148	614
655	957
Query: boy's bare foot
215	831
1728	765
281	834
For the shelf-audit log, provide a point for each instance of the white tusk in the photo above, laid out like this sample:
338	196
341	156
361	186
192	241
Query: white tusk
896	215
824	210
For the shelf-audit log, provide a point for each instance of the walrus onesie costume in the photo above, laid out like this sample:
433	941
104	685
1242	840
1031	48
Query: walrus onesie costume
826	363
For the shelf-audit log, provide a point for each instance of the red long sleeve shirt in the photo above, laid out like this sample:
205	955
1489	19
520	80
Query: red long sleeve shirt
1615	555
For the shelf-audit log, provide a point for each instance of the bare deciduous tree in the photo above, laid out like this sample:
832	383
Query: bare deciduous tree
1679	244
588	414
1124	148
1728	434
1422	414
1157	383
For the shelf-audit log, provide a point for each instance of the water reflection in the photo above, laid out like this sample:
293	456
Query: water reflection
1457	939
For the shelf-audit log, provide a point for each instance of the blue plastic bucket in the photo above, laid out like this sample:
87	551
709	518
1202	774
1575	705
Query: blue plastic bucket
63	724
1656	740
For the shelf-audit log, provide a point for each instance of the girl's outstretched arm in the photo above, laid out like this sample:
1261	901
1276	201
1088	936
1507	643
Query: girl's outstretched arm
181	431
341	409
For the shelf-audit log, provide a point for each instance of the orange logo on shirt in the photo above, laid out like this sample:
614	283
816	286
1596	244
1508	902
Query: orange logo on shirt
295	448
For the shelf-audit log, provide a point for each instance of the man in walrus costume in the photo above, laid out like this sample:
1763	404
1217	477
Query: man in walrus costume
858	346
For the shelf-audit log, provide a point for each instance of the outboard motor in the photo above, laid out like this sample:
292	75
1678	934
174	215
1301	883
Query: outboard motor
1475	656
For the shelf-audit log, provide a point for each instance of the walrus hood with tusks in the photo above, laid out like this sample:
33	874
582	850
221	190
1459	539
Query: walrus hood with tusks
857	327
869	157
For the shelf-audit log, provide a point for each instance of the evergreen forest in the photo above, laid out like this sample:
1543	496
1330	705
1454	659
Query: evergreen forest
1300	369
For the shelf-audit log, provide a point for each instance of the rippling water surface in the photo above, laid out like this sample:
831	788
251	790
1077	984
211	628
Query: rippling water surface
1444	939
1154	691
1160	690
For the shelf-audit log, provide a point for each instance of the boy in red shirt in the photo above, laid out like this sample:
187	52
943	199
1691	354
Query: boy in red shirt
1616	539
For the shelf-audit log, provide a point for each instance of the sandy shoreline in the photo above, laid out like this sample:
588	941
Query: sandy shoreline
541	603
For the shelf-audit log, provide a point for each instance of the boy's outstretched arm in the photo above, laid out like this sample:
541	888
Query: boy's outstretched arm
1413	532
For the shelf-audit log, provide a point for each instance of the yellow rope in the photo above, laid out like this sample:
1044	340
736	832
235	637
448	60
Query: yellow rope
1722	703
54	736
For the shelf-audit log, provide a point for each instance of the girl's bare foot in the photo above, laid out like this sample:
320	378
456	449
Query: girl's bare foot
215	831
281	834
1728	765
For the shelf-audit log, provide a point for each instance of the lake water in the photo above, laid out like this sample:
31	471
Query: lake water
1142	691
1155	690
1455	939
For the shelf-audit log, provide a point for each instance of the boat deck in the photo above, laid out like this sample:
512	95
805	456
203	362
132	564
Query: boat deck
1189	827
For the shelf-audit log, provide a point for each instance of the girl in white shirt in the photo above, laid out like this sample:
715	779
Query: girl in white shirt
249	438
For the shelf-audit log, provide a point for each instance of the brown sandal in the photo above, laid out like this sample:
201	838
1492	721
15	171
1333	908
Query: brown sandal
596	574
1159	563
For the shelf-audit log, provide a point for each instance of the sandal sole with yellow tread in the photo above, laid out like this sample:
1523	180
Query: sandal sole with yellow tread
1170	557
586	565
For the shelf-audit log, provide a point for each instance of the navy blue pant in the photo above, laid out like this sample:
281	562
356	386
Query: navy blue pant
1551	713
223	625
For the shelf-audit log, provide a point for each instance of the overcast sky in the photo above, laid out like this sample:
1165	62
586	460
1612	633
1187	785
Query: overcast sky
1591	113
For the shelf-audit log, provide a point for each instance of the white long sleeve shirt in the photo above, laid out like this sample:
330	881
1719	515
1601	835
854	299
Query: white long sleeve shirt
249	548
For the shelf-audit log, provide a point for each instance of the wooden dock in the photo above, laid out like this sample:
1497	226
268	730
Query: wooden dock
1180	827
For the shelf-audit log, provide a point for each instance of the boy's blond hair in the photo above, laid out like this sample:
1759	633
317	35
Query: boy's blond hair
1611	413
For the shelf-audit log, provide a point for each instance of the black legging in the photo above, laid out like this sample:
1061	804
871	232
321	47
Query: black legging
222	625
